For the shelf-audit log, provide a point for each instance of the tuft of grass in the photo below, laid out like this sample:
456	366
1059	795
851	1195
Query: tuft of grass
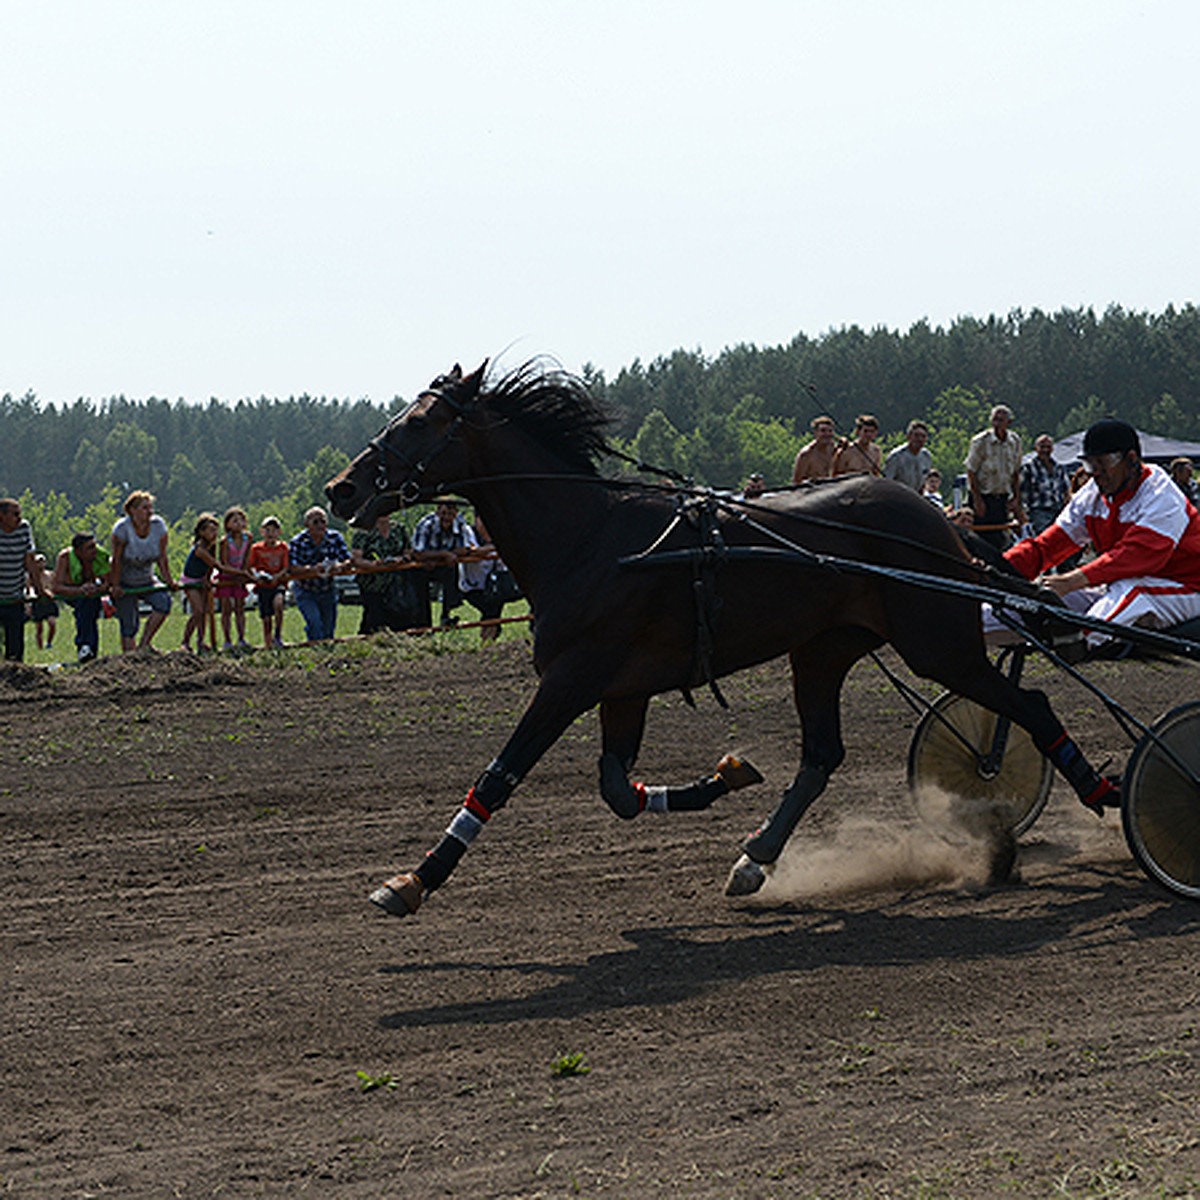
564	1065
371	1083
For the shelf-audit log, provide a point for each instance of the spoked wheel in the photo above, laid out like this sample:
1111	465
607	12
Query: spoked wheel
1160	804
948	753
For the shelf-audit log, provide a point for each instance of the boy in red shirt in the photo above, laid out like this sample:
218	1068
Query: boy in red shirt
268	563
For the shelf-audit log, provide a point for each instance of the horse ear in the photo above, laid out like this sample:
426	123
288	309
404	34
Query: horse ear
474	381
455	374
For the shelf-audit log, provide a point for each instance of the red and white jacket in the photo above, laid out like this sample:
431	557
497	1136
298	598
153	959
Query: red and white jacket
1147	529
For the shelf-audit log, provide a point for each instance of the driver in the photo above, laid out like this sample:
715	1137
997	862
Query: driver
1146	535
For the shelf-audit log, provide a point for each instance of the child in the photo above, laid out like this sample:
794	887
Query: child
232	576
197	573
268	563
44	609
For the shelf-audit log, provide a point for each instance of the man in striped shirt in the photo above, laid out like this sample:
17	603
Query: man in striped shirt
16	562
1145	533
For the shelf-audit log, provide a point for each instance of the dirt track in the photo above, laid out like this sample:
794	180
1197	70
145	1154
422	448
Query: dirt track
193	977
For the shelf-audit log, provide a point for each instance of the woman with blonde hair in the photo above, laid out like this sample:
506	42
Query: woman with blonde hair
139	544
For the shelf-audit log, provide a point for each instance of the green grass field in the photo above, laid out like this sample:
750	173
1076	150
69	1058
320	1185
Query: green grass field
170	636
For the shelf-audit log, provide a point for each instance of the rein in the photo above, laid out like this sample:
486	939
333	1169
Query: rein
681	487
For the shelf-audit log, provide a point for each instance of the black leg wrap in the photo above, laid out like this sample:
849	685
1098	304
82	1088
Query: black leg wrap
493	788
439	862
696	796
767	842
619	794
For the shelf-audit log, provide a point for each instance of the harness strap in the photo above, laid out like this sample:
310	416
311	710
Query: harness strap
706	560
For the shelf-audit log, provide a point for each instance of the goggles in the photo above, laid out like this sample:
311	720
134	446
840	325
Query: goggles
1102	462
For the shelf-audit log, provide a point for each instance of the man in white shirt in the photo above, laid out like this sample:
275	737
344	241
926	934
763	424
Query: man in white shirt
994	476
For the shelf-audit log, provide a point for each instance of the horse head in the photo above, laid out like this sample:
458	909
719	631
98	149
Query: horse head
418	454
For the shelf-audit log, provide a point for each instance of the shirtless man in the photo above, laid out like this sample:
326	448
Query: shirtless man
815	461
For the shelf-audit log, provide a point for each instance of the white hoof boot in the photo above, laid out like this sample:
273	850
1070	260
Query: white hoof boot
746	878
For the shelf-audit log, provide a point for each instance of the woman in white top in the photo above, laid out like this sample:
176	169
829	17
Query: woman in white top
139	544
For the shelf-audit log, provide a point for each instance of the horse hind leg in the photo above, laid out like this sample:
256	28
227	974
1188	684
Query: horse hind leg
818	671
974	675
623	723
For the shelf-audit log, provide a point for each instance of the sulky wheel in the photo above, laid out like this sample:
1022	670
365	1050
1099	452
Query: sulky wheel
1160	804
937	759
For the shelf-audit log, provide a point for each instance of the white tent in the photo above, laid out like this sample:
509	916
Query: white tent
1161	450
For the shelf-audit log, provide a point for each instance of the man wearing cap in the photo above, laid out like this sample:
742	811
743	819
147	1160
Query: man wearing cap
754	487
1145	533
993	473
437	541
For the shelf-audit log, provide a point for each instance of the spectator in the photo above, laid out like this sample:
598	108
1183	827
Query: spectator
196	581
17	561
316	545
994	476
139	544
911	462
44	609
860	456
437	540
232	577
387	602
1146	535
815	461
754	487
268	564
80	576
931	489
488	585
1181	475
1045	485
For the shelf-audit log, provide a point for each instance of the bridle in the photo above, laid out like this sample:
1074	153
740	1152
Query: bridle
416	467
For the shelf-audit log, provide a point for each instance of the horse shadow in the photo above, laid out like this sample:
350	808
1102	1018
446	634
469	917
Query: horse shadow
673	964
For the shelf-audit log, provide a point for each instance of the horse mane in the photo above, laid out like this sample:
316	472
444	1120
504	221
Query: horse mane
555	408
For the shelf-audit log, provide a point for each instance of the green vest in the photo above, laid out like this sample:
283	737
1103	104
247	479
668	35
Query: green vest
75	567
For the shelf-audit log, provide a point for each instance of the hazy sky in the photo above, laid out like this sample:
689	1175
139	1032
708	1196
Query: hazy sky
248	198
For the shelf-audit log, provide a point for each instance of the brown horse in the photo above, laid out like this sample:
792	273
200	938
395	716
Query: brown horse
614	625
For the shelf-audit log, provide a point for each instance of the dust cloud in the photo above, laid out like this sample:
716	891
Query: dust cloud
947	841
954	843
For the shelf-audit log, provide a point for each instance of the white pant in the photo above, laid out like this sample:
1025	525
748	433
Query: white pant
1150	603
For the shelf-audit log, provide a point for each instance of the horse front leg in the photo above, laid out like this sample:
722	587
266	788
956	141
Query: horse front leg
622	724
557	702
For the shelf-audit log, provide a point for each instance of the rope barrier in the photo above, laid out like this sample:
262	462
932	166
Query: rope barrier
327	570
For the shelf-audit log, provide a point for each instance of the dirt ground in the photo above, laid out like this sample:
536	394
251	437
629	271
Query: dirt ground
193	979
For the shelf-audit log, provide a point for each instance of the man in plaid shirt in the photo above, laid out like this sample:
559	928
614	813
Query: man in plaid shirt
1045	485
443	530
315	546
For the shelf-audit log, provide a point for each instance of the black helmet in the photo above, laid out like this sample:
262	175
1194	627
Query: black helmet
1110	435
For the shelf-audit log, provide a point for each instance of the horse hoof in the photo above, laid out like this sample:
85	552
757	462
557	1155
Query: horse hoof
737	773
401	896
746	878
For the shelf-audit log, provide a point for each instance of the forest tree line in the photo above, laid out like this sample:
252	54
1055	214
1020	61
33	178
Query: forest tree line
714	419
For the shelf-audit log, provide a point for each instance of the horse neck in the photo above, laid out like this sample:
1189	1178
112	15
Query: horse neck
539	512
